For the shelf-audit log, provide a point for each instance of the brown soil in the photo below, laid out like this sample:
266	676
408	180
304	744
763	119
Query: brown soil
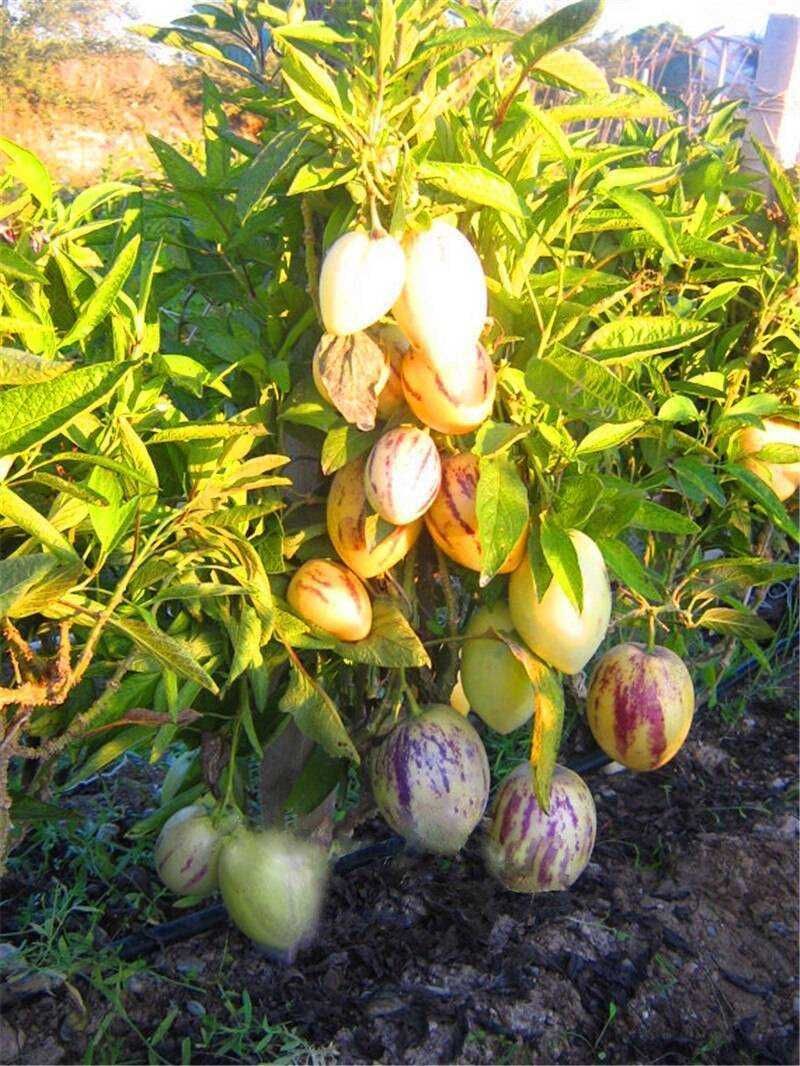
679	943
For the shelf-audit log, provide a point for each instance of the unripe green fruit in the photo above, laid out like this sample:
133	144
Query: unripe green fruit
430	779
530	851
187	850
328	595
552	627
443	303
402	475
454	399
362	276
452	519
273	886
353	532
495	682
640	705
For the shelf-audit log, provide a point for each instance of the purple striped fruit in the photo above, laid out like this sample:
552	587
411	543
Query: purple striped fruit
640	705
430	779
355	533
452	519
362	276
329	596
187	850
454	399
443	303
402	475
273	886
530	851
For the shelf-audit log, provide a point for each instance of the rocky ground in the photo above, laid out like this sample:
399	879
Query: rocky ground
679	943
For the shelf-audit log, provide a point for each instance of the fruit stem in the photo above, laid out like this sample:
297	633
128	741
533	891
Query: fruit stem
651	630
413	705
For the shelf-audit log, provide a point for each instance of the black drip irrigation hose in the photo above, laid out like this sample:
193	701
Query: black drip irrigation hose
189	925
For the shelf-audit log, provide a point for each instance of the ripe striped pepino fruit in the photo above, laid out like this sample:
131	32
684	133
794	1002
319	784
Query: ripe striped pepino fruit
355	533
330	596
430	779
402	475
495	683
782	478
552	627
394	345
453	399
452	520
528	850
362	276
273	886
640	704
187	850
443	304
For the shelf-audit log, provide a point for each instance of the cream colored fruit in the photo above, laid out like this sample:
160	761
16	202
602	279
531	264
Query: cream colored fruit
552	626
394	345
443	304
782	478
355	531
329	596
454	399
402	475
495	683
639	705
361	278
452	520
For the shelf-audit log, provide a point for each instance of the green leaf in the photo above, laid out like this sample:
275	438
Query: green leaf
697	480
764	496
18	574
29	809
736	622
167	650
31	414
206	431
19	513
559	551
629	569
548	722
70	488
580	386
678	409
610	435
780	183
343	443
658	519
502	510
267	169
317	175
102	299
569	68
29	171
744	571
615	509
577	498
386	36
21	368
246	640
473	183
316	714
13	265
492	438
560	28
391	641
645	333
650	218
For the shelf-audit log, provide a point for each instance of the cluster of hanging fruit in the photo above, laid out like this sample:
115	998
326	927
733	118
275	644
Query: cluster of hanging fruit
431	380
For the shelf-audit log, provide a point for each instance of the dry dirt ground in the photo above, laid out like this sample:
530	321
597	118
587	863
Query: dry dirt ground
679	943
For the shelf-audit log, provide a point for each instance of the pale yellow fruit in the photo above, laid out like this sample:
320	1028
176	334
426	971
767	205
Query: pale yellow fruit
355	531
452	520
361	278
329	596
454	399
443	303
495	683
552	626
402	475
458	698
782	478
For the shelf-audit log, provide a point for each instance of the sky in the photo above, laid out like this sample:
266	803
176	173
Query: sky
620	16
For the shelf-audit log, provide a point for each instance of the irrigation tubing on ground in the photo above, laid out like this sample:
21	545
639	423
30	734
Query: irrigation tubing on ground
150	940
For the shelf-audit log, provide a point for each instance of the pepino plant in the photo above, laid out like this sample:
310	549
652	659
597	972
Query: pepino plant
426	377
